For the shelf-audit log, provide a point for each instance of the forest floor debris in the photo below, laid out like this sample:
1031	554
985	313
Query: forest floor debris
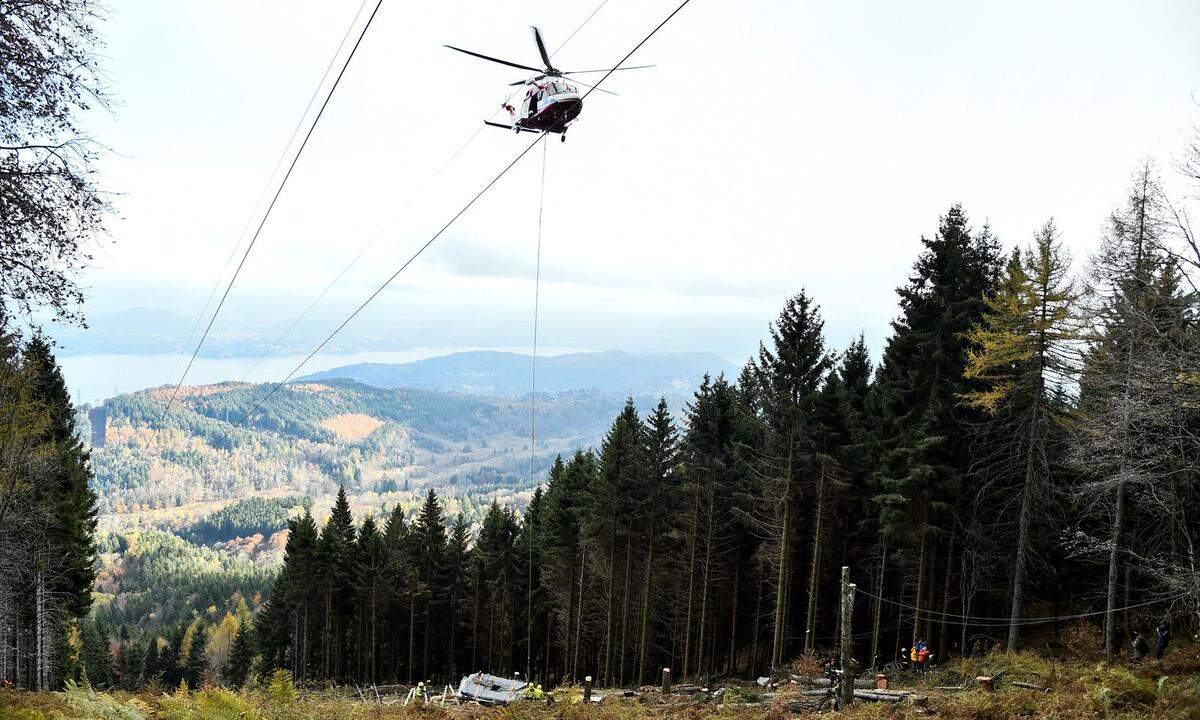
1078	690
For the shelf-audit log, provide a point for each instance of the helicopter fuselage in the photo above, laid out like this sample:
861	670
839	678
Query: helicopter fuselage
548	106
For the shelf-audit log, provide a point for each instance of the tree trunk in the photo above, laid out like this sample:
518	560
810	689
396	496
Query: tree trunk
644	633
579	615
1114	552
39	627
475	622
785	542
814	573
758	597
944	621
412	630
568	634
921	572
625	604
878	610
1018	586
733	615
691	602
610	615
706	583
328	659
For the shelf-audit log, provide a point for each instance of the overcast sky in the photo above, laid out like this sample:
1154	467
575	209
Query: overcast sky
777	145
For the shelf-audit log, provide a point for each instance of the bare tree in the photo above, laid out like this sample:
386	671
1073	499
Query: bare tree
1133	387
51	206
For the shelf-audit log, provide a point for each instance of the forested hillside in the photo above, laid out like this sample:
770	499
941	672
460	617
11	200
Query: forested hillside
1023	457
384	445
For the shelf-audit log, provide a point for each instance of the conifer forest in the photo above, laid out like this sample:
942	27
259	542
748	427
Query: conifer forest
990	509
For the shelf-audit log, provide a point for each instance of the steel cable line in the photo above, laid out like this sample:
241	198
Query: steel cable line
274	199
941	617
402	268
266	187
540	138
379	234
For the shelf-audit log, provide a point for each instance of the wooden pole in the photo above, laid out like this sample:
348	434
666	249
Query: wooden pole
847	637
666	681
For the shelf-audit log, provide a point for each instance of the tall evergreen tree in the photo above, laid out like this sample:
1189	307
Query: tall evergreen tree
921	465
369	583
241	657
1024	353
788	376
429	534
336	569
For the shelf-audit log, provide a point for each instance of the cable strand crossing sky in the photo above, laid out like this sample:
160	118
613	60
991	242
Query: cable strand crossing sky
267	214
312	98
378	235
370	298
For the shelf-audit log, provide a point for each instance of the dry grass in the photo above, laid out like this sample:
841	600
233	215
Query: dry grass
1084	689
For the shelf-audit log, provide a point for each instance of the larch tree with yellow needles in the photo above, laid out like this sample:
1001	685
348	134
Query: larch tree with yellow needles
1024	350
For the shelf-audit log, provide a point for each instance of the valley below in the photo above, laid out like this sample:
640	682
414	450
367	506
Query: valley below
194	503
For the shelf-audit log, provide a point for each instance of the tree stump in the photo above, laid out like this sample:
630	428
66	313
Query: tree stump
986	683
881	681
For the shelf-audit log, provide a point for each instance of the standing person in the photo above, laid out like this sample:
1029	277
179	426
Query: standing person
923	659
1164	637
1139	647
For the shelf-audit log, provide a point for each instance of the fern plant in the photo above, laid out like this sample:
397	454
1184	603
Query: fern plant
216	704
87	704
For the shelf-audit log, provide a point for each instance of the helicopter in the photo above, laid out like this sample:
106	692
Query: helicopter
552	99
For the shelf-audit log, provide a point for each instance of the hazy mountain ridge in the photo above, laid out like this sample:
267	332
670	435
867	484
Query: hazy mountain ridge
509	374
382	443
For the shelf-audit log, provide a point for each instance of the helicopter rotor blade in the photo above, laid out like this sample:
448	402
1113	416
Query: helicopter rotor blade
537	38
597	89
604	70
533	79
495	60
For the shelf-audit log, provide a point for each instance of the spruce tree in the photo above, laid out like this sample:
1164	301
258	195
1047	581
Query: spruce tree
335	559
72	500
659	506
151	664
241	657
457	590
922	463
197	659
787	378
369	583
429	534
96	655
